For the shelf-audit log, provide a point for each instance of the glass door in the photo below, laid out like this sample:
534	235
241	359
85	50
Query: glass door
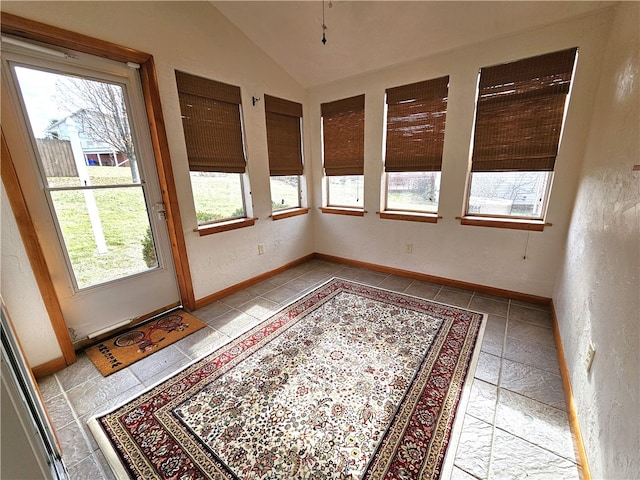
103	229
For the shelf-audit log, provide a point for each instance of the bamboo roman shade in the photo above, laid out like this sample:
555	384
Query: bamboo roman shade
519	114
284	141
416	115
212	126
343	132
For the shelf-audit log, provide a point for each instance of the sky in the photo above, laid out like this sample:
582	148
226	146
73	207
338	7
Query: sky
38	90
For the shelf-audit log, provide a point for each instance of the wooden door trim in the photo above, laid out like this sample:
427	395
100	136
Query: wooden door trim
32	30
34	252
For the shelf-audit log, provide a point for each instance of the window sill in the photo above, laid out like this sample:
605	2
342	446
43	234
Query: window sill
511	223
292	212
224	226
410	216
356	212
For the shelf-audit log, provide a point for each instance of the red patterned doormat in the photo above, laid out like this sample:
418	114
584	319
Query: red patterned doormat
122	350
348	382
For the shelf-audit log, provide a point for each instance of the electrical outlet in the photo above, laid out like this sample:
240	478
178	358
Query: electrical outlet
591	353
261	249
408	247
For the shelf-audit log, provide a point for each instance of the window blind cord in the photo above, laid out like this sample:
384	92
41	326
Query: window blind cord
526	246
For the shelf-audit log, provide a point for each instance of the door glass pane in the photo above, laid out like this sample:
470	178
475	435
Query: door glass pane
78	120
112	244
88	162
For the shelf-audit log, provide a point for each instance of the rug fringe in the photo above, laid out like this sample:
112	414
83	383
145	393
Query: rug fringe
458	418
107	449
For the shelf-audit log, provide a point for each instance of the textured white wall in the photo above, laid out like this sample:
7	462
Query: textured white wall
486	256
597	296
21	295
204	43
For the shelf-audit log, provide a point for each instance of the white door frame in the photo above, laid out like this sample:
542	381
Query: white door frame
93	310
35	31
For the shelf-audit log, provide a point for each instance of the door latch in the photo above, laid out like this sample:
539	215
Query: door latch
161	209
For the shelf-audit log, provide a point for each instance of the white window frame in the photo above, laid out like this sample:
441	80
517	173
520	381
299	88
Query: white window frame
543	208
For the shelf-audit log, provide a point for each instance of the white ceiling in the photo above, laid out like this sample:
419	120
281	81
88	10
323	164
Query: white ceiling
364	36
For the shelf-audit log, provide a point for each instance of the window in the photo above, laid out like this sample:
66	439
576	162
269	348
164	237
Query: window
343	152
415	118
96	169
284	142
519	117
211	118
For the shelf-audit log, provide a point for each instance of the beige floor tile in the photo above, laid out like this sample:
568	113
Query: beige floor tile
532	436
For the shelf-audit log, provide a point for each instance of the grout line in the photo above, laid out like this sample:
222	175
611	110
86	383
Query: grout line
291	282
542	447
78	423
498	389
529	364
143	382
404	290
473	294
85	380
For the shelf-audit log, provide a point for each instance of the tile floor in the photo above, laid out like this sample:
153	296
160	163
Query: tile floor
515	425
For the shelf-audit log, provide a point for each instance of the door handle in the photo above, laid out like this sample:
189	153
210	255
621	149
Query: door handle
161	210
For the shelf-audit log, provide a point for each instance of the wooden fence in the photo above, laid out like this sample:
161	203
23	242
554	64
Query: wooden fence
57	157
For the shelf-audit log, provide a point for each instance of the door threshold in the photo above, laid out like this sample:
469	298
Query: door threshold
121	327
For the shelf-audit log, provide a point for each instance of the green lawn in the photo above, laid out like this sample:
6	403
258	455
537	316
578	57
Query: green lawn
412	201
124	221
124	218
218	196
284	192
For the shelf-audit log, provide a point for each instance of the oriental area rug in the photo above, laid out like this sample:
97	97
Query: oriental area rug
348	382
123	349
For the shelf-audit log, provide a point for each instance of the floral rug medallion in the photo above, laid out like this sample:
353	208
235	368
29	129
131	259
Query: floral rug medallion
348	382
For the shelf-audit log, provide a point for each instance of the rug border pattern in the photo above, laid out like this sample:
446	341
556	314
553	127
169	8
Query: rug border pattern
184	383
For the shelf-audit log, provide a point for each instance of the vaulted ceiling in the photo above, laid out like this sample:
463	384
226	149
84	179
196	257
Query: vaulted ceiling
364	36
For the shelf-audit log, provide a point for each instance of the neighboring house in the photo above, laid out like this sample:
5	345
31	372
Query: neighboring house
95	152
